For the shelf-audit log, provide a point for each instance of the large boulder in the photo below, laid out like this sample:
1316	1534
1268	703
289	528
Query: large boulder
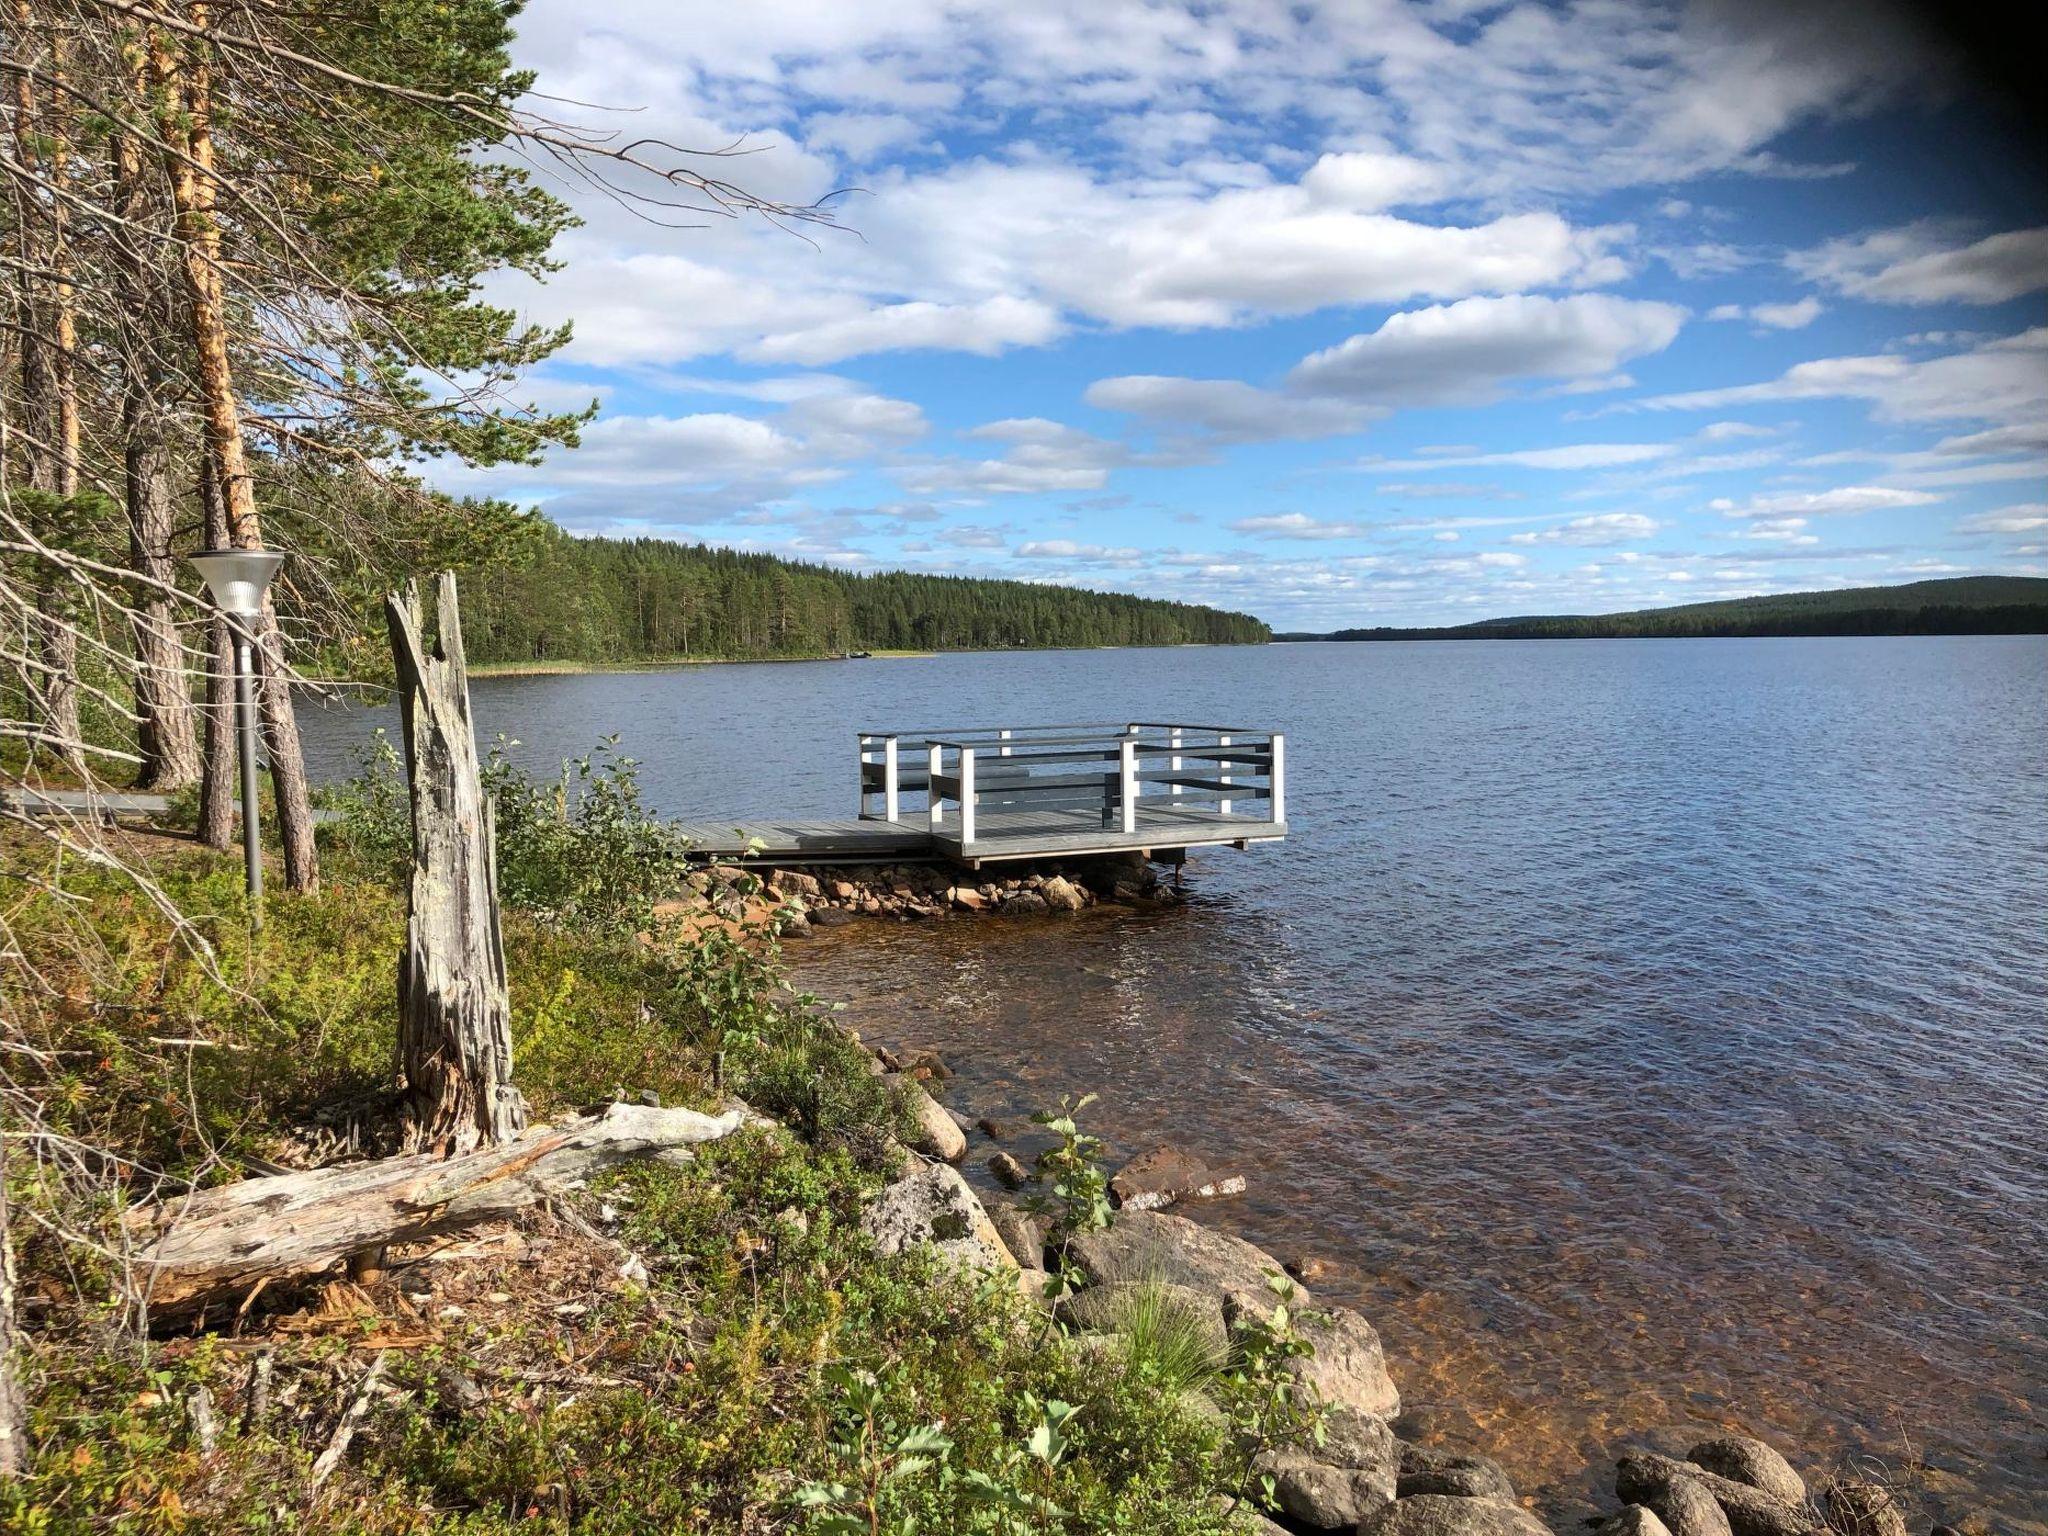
1437	1514
1149	1245
1742	1460
1362	1442
1428	1469
1062	895
1021	1231
937	1133
1319	1496
1634	1520
1348	1368
932	1205
1749	1511
1158	1178
1686	1508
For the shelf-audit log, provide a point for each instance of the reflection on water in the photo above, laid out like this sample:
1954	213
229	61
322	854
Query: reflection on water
1644	1031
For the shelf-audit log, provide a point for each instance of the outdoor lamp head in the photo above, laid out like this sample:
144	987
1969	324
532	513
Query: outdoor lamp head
237	578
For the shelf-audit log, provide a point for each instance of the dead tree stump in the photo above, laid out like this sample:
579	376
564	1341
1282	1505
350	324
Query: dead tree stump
454	1007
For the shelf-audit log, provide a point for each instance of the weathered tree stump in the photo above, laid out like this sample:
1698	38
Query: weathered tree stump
454	1007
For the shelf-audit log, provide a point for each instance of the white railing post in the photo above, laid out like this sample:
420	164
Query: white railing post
1127	783
892	807
1173	762
934	812
966	796
1004	736
1223	806
1277	805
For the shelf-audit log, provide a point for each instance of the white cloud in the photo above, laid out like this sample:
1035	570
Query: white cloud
1296	525
1042	456
1794	316
2004	380
1599	529
1848	499
1067	549
1921	264
2030	517
1502	559
994	325
1228	409
1568	456
1466	352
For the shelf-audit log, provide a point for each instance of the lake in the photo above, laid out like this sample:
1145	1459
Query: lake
1645	1032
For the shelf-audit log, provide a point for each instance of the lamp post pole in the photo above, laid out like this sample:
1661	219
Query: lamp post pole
237	580
245	729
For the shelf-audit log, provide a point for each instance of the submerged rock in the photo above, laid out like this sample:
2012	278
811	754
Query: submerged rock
1743	1460
1009	1171
932	1205
1436	1514
1862	1509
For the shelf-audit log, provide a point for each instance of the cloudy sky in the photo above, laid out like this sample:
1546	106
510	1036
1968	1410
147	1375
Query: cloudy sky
1371	312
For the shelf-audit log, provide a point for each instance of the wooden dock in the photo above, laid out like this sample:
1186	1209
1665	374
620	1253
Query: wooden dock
996	794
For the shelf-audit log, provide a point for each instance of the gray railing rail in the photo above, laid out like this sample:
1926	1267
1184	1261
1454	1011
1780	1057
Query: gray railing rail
1118	769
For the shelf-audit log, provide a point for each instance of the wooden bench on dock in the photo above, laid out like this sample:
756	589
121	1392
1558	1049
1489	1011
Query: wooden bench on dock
1030	792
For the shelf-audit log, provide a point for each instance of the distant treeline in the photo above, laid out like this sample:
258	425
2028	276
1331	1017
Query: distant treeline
1964	605
614	600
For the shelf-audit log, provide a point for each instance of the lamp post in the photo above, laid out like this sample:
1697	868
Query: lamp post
236	579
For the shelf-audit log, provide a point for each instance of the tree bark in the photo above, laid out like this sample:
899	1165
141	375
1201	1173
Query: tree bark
217	780
222	1241
49	403
13	1401
167	730
454	1006
186	122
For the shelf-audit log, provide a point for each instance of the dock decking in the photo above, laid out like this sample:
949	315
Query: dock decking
1004	793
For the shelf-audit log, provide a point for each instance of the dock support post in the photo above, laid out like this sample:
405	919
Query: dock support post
934	812
966	796
891	801
1127	783
1277	804
1223	765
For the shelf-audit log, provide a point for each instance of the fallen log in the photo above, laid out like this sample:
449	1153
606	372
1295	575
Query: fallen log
216	1242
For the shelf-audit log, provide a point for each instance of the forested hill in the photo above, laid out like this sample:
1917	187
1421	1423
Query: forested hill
615	600
1962	605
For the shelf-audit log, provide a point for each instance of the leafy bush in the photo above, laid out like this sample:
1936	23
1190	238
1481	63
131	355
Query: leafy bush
578	851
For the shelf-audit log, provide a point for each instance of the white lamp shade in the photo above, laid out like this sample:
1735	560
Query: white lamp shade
238	578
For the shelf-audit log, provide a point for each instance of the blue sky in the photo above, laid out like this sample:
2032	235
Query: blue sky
1359	314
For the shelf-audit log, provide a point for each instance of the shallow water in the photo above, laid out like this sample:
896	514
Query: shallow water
1646	1031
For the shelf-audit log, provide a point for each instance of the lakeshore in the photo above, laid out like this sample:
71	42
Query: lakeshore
1506	1085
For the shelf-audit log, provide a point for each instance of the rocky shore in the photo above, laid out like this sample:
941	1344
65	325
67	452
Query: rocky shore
810	897
1373	1470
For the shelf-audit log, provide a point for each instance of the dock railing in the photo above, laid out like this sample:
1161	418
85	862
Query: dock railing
1119	776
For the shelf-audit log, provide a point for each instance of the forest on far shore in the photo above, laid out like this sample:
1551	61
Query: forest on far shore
1960	605
616	600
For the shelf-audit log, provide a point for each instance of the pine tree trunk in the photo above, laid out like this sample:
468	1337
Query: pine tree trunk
217	777
49	410
168	728
186	121
454	1006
